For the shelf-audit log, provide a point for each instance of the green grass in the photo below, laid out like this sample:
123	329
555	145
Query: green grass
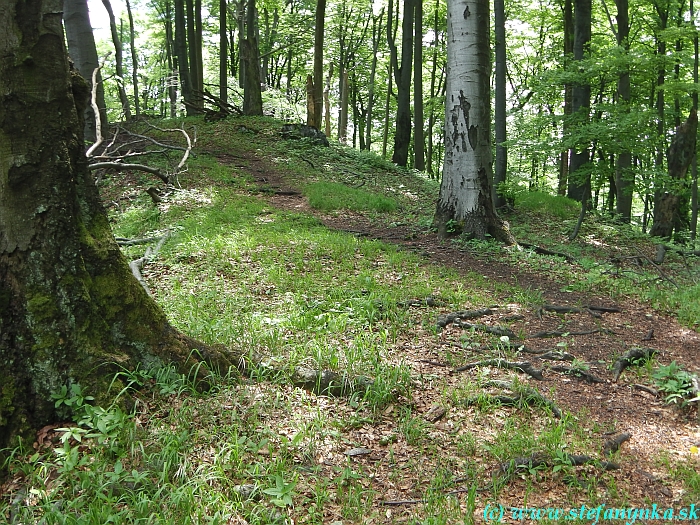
329	196
546	204
284	287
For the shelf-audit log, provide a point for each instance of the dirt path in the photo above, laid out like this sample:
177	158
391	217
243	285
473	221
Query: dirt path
614	406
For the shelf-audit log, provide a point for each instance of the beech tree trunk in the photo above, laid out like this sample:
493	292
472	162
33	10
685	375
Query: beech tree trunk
70	309
134	61
465	205
183	64
680	155
250	56
579	180
624	175
418	130
82	50
319	33
402	136
500	101
118	58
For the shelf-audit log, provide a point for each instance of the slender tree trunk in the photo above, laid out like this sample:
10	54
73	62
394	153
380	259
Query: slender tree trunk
82	50
694	165
169	52
418	130
579	178
250	54
402	136
182	59
134	60
319	33
391	30
376	38
433	91
465	205
343	123
564	158
662	12
69	306
624	175
119	60
387	108
193	55
499	176
223	53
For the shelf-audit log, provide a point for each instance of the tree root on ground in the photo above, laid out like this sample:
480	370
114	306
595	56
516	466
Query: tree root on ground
577	372
521	366
629	358
444	320
522	394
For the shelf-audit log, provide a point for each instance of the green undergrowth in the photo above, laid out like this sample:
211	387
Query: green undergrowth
284	288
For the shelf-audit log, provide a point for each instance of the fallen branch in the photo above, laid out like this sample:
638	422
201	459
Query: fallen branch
543	251
118	166
137	264
122	241
522	366
631	357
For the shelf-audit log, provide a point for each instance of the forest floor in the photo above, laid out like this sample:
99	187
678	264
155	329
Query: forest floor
612	406
468	422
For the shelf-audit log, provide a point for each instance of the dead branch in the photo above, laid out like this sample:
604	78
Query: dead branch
137	264
122	241
96	111
121	167
543	251
558	333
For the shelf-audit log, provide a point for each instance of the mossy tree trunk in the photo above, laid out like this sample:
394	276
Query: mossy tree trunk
465	205
70	309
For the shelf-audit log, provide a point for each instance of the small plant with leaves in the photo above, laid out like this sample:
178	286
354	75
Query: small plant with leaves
674	382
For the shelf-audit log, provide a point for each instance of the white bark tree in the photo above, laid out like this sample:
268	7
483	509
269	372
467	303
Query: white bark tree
465	205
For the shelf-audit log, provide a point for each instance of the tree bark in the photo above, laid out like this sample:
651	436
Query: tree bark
134	60
250	55
694	165
624	175
376	37
680	156
223	53
343	121
499	175
418	130
182	59
319	33
464	205
579	178
70	309
81	48
119	59
565	156
402	135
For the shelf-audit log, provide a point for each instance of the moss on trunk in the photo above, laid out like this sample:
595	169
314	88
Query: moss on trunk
70	309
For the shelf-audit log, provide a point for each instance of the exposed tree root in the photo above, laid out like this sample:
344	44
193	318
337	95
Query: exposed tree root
444	320
495	330
522	366
629	358
613	445
137	264
327	382
577	372
522	394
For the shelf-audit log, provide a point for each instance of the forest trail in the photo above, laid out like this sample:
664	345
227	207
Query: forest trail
611	407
